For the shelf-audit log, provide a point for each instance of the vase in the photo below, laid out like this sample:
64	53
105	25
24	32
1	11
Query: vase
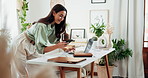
102	41
110	44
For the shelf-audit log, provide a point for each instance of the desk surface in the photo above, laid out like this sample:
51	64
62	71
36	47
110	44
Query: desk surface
97	54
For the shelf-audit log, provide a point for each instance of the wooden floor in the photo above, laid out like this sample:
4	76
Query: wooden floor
74	75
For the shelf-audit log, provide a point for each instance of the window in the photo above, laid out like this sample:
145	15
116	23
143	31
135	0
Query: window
145	47
146	25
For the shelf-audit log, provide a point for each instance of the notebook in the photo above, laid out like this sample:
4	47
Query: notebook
82	54
69	60
86	51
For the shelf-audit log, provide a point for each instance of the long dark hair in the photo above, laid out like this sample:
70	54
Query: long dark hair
59	28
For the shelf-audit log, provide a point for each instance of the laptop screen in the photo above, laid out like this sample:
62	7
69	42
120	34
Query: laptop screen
88	46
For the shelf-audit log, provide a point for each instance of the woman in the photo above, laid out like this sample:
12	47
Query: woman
43	36
47	31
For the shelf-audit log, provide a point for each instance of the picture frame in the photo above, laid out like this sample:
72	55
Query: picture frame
98	1
77	34
99	16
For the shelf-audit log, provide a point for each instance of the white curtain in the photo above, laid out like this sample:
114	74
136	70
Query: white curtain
129	25
8	16
8	22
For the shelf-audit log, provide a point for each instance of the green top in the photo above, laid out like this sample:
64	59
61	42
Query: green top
43	35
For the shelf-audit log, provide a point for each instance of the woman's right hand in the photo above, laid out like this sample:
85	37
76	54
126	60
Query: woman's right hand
62	44
58	45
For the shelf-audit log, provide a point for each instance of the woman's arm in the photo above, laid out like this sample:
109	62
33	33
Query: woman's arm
59	45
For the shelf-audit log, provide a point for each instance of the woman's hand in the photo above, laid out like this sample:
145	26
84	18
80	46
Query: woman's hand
62	45
58	45
69	48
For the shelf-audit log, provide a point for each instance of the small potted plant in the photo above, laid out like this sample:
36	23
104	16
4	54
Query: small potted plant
98	29
121	52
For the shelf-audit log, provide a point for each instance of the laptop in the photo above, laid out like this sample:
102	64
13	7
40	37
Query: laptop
88	46
86	51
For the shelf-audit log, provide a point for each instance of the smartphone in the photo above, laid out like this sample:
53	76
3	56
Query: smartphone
70	40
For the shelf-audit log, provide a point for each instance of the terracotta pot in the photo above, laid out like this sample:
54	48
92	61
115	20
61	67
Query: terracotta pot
102	73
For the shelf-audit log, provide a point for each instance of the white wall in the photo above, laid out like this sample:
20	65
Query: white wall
38	9
78	12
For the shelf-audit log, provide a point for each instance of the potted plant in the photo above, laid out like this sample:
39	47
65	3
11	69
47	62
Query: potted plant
98	29
121	52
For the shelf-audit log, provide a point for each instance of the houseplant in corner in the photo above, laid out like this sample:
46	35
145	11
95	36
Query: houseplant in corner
121	52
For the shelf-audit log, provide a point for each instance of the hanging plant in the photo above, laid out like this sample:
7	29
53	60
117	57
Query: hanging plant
22	13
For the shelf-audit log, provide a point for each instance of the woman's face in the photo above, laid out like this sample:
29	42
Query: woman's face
59	17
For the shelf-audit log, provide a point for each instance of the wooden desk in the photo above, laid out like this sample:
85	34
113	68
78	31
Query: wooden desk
107	66
97	54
